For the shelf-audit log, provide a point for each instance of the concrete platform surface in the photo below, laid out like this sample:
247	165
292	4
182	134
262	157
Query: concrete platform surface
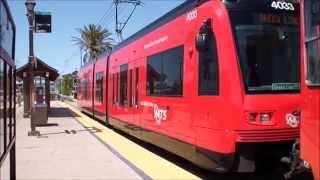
148	164
66	150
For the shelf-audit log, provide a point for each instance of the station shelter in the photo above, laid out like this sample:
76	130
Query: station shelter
43	74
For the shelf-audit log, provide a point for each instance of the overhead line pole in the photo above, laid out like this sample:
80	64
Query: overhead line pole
120	26
117	23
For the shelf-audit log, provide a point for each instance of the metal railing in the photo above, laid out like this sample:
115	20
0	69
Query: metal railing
7	93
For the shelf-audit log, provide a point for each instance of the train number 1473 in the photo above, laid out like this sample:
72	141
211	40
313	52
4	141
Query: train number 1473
282	5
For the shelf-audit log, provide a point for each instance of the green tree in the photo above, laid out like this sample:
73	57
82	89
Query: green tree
67	84
93	40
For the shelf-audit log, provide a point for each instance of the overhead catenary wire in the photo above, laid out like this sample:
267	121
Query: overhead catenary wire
106	15
109	15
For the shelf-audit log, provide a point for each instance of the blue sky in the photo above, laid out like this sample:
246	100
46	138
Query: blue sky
56	48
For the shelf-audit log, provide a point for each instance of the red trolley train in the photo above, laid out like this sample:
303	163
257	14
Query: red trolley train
310	120
215	82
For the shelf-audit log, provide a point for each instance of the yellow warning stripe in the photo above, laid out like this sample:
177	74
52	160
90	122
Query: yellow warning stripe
153	165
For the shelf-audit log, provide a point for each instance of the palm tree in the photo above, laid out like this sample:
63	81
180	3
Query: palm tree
93	40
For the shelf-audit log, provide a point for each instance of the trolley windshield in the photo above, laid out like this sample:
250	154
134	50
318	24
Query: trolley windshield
267	42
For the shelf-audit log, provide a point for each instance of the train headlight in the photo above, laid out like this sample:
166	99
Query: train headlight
252	117
265	117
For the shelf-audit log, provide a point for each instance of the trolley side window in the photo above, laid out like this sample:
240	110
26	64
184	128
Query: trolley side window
79	88
117	88
208	69
130	89
113	88
85	89
99	88
123	84
165	73
137	87
312	41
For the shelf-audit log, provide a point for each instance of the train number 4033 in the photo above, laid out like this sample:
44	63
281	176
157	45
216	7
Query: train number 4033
282	5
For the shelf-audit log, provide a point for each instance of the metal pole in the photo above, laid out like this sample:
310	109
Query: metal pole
14	123
30	4
30	15
13	162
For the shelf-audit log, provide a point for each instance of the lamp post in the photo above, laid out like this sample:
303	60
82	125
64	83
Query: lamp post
30	4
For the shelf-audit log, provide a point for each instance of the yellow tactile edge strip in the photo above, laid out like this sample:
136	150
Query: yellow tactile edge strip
151	164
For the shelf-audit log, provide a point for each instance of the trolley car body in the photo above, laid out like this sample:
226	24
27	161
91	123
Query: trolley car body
215	82
310	56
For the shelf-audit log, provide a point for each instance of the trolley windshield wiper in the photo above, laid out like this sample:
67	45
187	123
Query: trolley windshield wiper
309	40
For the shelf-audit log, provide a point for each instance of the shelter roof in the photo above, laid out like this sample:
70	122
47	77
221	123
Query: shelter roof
40	70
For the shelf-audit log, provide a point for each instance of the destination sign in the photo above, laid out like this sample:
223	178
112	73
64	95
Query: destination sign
278	19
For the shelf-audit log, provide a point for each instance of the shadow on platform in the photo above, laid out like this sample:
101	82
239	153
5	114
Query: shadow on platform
48	125
73	132
57	112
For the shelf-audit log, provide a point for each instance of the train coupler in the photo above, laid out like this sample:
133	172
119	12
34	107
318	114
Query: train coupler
295	164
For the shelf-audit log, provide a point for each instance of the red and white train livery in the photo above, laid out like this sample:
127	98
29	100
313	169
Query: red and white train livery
215	82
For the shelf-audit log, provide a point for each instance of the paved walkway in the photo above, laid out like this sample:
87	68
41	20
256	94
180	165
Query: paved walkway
147	163
78	147
66	151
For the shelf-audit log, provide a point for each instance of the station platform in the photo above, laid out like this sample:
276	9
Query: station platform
74	146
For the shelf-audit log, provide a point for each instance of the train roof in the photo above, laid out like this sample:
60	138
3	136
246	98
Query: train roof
176	12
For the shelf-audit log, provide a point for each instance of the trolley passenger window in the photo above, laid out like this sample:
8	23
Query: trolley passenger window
208	69
113	88
123	84
79	88
165	73
312	36
117	88
130	89
137	87
85	89
99	87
